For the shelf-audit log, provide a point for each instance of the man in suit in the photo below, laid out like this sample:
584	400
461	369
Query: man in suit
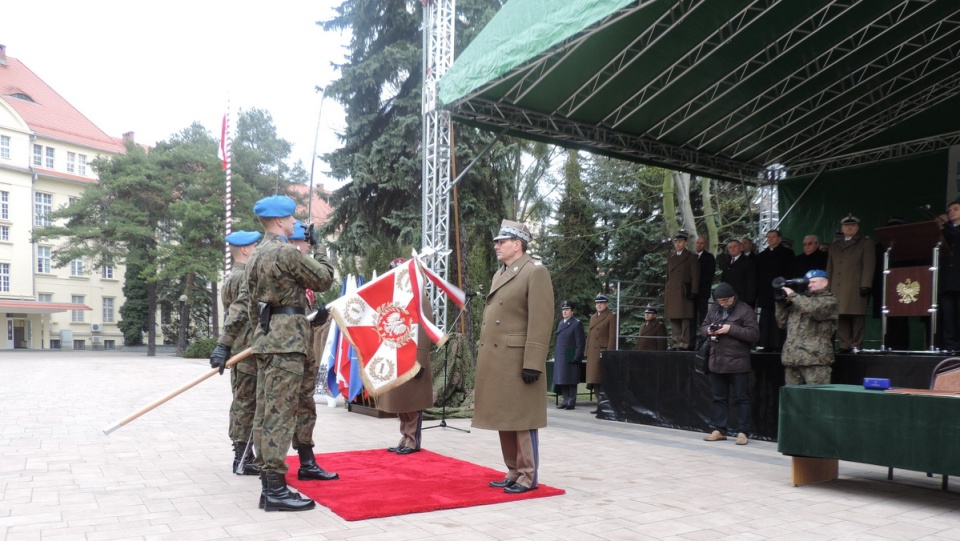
568	355
810	259
741	273
683	284
652	335
850	266
708	267
601	335
775	261
510	396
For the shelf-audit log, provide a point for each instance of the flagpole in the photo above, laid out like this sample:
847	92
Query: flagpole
225	144
313	161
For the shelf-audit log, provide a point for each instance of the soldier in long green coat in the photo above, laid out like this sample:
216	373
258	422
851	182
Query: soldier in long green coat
235	336
850	264
510	394
278	276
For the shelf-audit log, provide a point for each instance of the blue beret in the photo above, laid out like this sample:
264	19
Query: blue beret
816	273
275	206
242	238
299	233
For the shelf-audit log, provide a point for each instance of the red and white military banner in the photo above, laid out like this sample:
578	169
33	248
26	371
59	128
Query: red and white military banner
382	320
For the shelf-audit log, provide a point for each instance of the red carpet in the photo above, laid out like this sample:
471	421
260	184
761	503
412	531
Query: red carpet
380	484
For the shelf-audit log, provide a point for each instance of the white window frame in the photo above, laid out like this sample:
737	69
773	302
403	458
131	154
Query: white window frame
43	206
4	277
44	259
5	233
5	147
44	297
76	267
71	162
81	164
49	158
37	155
4	205
76	316
107	272
108	310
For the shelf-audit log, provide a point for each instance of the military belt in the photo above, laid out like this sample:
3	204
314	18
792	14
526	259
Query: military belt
289	310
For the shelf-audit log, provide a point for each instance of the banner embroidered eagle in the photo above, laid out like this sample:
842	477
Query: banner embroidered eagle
382	320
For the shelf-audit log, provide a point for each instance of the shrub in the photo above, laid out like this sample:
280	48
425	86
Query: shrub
201	349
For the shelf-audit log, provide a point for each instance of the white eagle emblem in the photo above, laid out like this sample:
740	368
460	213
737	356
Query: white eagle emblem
394	325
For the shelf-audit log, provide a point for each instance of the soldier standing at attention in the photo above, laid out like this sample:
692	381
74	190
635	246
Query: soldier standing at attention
237	331
307	407
510	395
277	279
810	320
850	264
683	285
601	336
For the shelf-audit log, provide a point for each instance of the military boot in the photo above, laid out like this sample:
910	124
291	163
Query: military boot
248	467
309	470
277	497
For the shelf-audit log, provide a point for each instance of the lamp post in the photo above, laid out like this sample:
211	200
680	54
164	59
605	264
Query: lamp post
182	331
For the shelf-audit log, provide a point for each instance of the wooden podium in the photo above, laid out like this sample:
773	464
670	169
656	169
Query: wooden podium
911	290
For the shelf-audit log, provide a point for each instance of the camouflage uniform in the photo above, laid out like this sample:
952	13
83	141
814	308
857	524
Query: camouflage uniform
236	334
307	408
810	320
277	274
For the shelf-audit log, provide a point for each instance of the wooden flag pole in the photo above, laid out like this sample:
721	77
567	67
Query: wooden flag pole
213	371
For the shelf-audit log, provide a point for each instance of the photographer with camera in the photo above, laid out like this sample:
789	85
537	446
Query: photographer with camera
810	318
732	329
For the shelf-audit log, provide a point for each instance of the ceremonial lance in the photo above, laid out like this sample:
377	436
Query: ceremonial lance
213	371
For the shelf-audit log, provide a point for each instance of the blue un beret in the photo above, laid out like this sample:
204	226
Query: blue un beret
275	206
816	273
299	233
242	238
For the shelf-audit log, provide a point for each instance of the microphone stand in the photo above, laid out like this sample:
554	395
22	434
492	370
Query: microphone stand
446	357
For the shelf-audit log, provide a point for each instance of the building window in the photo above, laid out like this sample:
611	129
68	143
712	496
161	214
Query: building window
107	271
76	267
5	277
82	164
45	297
79	344
54	344
43	259
5	147
71	162
4	205
49	158
109	344
108	310
76	315
5	233
37	155
10	330
43	206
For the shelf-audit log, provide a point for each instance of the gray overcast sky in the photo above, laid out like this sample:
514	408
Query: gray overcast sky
154	68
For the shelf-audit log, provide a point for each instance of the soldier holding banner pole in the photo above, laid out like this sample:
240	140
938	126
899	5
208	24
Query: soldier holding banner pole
278	276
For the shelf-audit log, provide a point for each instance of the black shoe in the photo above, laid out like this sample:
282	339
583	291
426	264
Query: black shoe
845	350
562	407
517	488
502	484
407	450
393	449
309	470
570	407
594	412
277	497
248	467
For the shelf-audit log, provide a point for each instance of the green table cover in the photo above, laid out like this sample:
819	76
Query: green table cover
847	422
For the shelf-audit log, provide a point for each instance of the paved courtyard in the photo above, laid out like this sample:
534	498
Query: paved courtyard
166	475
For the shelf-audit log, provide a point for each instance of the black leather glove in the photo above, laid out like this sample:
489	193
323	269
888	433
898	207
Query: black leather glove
219	357
864	291
419	374
312	235
530	376
322	315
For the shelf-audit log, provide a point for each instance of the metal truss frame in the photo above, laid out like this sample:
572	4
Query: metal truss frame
438	40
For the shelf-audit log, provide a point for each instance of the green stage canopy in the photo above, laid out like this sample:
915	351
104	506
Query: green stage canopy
728	89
